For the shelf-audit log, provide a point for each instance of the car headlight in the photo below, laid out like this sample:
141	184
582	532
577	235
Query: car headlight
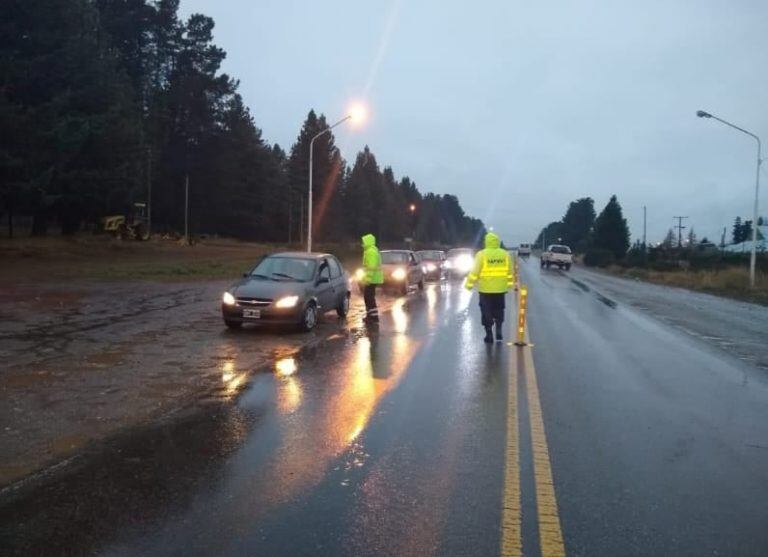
228	299
359	275
398	274
287	302
430	267
464	263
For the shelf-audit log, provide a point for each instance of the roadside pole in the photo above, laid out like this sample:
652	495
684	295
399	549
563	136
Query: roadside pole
521	315
186	209
517	272
149	193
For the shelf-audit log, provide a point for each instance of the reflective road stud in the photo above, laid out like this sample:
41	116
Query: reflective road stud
521	309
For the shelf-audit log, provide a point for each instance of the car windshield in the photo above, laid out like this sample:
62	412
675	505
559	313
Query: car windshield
285	268
394	257
560	249
459	251
525	246
435	255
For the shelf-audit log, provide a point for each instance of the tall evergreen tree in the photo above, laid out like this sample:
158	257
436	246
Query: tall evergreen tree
737	233
359	195
578	222
327	170
611	230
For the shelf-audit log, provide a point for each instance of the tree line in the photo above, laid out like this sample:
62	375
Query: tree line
603	238
104	100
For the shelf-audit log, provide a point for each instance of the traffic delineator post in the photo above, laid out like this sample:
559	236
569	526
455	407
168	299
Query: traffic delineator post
517	273
522	308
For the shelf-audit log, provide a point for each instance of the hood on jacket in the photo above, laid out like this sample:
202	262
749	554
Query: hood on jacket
492	241
369	240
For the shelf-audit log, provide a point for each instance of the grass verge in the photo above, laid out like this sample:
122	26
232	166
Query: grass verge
104	259
732	282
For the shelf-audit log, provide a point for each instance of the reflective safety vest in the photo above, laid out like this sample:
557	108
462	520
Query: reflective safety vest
493	268
371	261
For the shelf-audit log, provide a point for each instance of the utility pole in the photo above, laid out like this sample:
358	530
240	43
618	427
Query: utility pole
645	214
680	229
149	192
186	208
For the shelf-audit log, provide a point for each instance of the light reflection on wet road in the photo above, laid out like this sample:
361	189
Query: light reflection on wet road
392	441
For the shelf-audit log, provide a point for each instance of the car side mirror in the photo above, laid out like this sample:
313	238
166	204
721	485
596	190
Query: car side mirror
323	280
246	275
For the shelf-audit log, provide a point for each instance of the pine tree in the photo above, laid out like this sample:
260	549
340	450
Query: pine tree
746	231
578	222
327	170
669	239
611	230
737	233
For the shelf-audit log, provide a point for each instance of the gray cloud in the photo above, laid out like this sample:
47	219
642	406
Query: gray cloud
520	107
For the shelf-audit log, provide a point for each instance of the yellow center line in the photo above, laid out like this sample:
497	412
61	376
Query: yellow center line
511	538
550	534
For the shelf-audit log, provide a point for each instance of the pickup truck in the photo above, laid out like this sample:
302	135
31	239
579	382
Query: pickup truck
557	255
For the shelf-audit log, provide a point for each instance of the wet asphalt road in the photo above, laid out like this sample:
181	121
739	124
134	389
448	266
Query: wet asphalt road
417	439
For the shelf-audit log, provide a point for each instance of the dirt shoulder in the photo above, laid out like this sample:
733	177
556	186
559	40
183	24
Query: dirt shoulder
98	336
734	326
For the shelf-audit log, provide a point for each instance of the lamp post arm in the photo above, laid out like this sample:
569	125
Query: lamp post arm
311	157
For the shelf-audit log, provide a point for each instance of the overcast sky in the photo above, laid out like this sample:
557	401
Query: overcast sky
520	107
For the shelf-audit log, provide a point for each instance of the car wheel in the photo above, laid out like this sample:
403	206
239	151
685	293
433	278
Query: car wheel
404	289
309	317
567	267
541	264
343	308
233	324
421	284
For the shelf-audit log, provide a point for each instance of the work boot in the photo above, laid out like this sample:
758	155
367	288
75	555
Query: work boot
498	332
488	335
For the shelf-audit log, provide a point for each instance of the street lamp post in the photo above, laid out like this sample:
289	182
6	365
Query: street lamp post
753	255
357	113
309	201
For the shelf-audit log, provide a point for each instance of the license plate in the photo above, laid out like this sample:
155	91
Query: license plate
252	313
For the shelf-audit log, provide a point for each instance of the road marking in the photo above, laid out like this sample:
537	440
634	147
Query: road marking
511	538
550	534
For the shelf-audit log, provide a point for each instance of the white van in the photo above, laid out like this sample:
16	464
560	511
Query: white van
524	250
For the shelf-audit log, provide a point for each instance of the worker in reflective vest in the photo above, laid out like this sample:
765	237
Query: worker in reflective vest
494	277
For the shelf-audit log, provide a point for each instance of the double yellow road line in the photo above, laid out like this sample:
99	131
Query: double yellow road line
550	534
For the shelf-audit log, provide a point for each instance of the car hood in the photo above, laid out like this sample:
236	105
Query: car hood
261	288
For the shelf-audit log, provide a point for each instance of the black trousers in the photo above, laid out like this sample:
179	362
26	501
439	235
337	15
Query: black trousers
369	296
492	309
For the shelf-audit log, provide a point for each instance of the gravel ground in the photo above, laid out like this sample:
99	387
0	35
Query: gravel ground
83	360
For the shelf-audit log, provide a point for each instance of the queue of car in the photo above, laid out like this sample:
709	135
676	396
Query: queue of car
297	288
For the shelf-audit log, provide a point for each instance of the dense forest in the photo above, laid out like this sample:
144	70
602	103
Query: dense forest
103	101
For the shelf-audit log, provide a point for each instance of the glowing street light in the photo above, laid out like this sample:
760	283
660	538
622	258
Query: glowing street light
412	208
357	114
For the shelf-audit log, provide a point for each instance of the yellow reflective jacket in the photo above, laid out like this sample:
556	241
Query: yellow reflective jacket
371	261
493	268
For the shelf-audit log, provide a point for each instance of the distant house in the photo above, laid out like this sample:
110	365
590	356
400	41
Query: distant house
746	247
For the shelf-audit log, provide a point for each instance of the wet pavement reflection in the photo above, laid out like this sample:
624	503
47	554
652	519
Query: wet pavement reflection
235	462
